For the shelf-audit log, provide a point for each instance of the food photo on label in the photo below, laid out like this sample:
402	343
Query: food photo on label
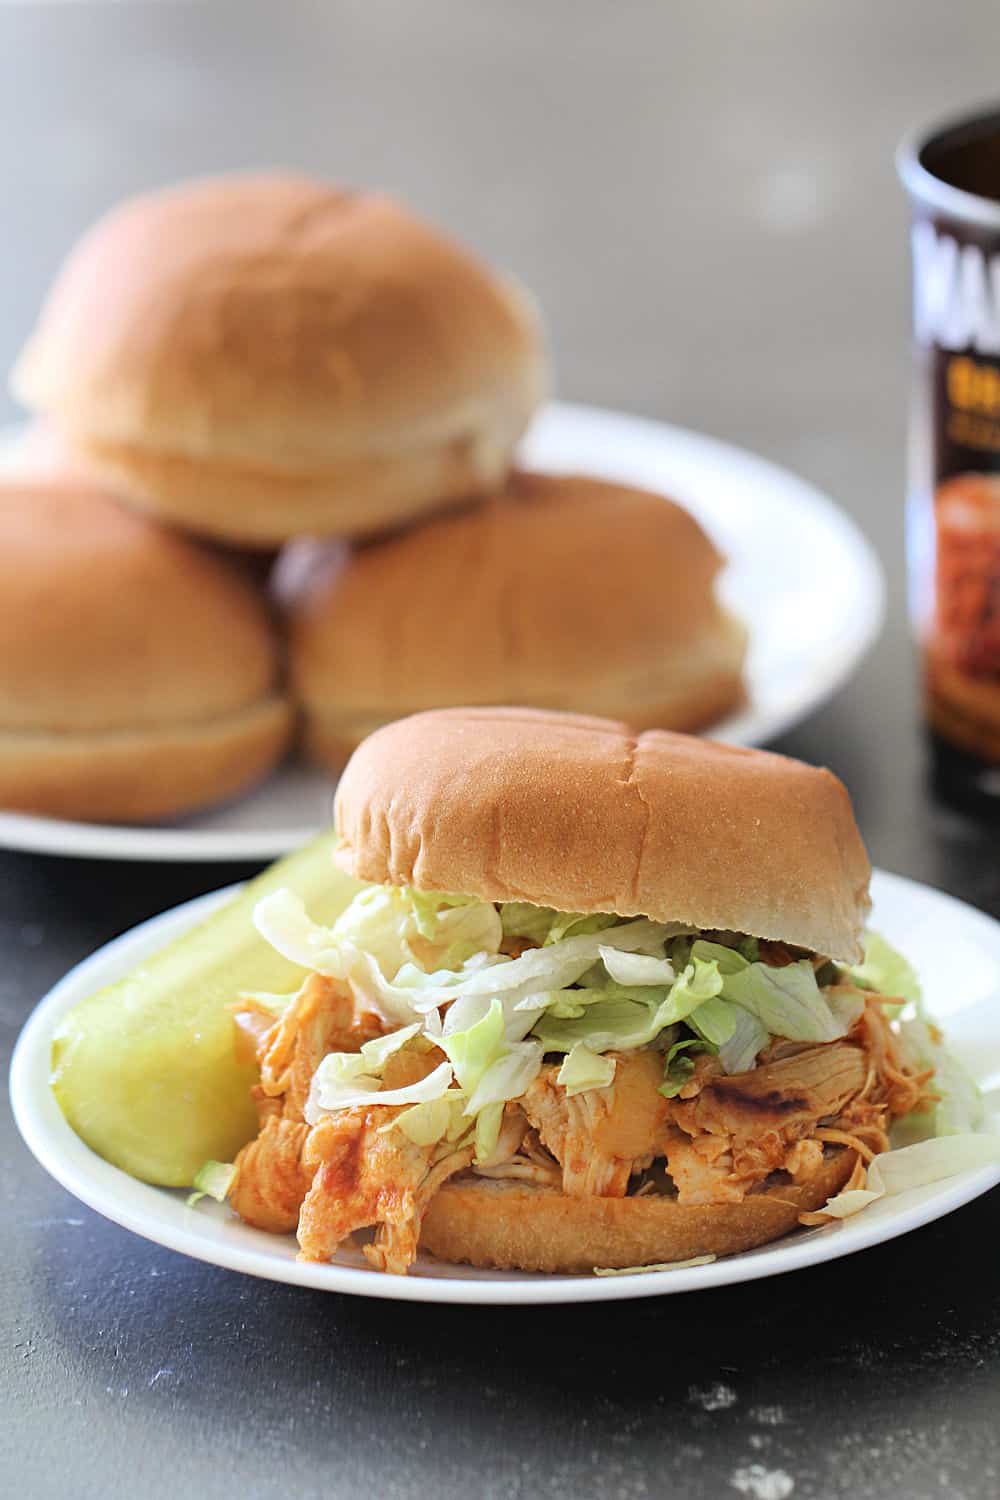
952	173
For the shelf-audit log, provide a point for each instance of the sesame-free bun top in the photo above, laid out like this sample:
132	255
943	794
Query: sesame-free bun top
138	670
583	815
261	356
566	592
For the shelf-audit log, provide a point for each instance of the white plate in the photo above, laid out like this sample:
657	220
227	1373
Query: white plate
784	539
944	938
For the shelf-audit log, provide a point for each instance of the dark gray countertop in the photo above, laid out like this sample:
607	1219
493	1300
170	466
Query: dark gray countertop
703	199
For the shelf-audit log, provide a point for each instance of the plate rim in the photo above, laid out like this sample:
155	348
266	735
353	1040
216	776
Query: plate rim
34	833
830	1243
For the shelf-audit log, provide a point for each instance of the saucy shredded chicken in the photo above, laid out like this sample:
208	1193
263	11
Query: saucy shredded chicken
271	1179
721	1137
603	1136
368	1175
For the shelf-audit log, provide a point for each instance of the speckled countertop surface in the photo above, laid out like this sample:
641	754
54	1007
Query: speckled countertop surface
703	200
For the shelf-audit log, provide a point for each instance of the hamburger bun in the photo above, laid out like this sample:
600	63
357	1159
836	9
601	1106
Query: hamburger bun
138	671
569	592
582	814
259	357
510	1225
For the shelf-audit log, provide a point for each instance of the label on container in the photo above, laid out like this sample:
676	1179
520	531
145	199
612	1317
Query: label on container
957	330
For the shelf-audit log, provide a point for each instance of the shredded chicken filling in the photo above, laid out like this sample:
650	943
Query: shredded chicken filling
720	1138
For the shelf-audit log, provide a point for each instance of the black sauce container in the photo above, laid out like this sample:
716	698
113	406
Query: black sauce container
952	174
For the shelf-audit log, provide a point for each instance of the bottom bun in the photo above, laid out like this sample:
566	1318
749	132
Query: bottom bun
514	1226
260	507
134	776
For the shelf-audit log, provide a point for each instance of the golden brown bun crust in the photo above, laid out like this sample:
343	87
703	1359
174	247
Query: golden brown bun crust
138	671
582	814
561	592
520	1227
274	326
143	775
332	747
110	622
252	505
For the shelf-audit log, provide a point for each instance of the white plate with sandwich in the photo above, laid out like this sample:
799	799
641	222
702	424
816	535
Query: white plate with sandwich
623	1063
783	541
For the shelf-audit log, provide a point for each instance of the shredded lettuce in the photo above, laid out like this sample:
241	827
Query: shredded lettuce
380	922
388	925
507	1077
605	1026
699	981
726	960
377	1052
472	1050
396	924
346	1079
665	1265
461	931
435	1120
433	959
787	1000
518	1013
678	1066
545	926
428	906
738	1054
212	1180
549	968
523	985
487	1133
570	924
915	1166
636	968
490	1070
334	1088
282	920
886	971
714	1021
520	919
846	1005
959	1105
583	1069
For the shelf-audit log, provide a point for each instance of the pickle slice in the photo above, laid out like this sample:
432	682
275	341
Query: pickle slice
144	1070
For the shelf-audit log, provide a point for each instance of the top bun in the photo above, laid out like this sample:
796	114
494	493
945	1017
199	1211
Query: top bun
562	592
138	670
262	356
582	815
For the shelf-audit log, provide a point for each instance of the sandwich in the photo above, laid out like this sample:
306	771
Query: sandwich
139	671
263	356
567	592
604	1002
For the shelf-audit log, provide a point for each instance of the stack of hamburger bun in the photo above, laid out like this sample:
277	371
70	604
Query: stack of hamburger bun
265	365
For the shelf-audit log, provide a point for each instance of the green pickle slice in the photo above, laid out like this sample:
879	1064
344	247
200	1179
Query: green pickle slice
144	1070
